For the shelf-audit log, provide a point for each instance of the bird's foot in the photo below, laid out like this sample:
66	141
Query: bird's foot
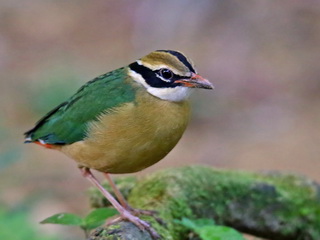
142	225
139	212
125	213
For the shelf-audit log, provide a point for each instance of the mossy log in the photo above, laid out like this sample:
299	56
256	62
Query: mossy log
269	205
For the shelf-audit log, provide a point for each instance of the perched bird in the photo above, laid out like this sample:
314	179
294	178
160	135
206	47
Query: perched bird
123	121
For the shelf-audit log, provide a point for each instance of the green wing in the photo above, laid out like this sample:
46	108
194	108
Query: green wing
67	123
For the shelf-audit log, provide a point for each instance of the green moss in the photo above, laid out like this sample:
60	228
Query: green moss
274	206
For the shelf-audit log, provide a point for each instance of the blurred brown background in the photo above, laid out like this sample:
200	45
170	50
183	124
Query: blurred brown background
262	56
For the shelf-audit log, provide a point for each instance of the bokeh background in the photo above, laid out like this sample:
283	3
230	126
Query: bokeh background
262	56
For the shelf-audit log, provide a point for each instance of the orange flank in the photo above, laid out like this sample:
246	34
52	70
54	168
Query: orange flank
46	145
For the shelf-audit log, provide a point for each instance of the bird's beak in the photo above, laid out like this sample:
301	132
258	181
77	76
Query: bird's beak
196	81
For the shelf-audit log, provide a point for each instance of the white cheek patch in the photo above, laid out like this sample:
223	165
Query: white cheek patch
138	78
176	94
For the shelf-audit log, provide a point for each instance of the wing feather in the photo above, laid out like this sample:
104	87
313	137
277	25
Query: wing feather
68	122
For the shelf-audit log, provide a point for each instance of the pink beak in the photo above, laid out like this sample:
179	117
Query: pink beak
196	81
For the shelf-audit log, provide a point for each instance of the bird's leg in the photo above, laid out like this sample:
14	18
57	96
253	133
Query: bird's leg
124	214
116	191
124	203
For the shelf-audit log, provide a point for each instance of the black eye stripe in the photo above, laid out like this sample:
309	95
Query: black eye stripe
151	77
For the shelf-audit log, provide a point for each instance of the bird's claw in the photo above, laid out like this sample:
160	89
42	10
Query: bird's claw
152	213
142	225
138	212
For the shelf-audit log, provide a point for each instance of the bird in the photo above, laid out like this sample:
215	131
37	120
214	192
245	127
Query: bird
124	121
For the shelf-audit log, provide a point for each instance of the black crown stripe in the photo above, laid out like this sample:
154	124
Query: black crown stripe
181	57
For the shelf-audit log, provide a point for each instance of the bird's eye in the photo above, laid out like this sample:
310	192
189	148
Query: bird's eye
166	73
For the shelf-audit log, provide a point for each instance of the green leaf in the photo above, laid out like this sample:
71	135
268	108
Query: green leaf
195	223
97	217
64	219
201	222
187	223
218	233
207	230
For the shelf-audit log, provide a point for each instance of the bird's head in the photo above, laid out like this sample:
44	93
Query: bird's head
168	75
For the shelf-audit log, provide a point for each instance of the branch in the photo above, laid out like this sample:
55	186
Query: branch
269	205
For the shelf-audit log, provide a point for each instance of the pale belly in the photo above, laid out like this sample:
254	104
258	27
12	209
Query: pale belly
131	138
